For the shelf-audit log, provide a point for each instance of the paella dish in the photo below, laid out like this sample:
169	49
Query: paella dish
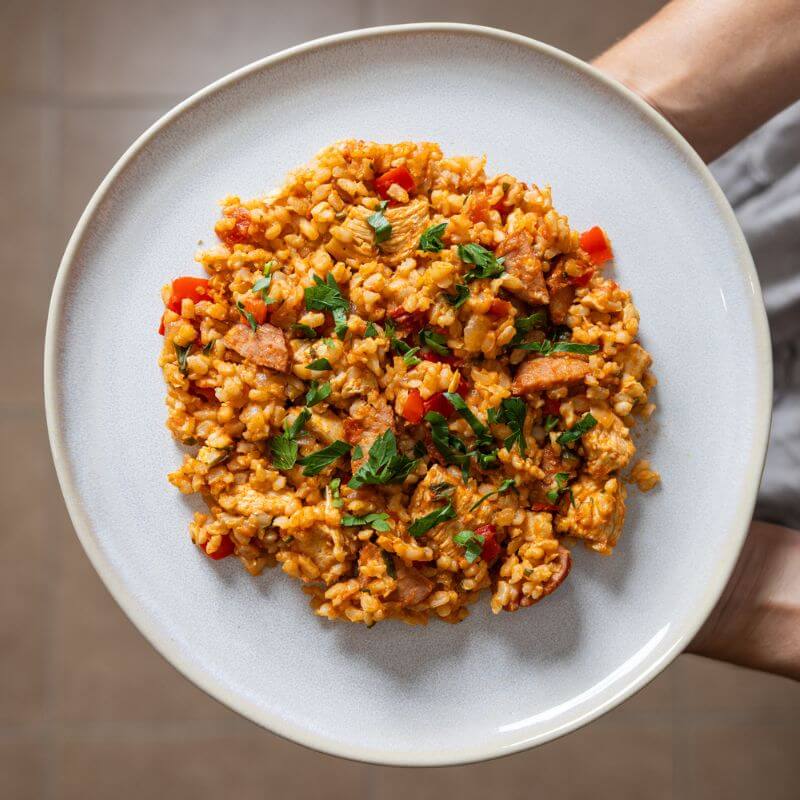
409	384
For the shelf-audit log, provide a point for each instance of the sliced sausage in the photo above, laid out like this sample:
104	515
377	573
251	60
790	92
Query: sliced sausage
412	586
265	346
562	293
540	374
521	263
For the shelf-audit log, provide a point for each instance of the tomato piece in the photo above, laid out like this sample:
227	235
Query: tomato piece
552	407
499	308
161	328
503	210
440	404
583	278
463	388
257	307
224	550
412	321
544	507
206	392
240	232
414	408
596	244
491	548
195	289
399	175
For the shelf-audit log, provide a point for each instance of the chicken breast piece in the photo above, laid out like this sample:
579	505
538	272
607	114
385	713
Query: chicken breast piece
598	513
540	374
608	447
266	346
526	279
412	586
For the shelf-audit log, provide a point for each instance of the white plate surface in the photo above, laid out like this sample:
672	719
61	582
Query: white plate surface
396	694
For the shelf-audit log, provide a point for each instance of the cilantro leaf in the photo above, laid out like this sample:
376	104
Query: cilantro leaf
319	365
547	347
507	484
316	462
327	296
380	522
512	412
485	265
379	223
419	527
583	425
472	543
182	353
434	342
431	239
384	463
208	347
460	297
306	330
317	393
251	320
485	452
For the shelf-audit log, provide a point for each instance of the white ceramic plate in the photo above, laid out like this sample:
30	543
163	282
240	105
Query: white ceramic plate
396	694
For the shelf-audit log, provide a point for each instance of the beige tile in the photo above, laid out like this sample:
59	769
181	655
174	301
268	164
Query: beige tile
92	140
604	760
581	28
744	761
25	51
712	686
182	45
25	221
27	559
191	767
106	670
22	769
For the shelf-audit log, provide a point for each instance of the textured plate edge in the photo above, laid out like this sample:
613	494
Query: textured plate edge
653	666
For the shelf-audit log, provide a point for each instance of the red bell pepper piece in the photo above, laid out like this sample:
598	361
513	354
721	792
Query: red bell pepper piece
414	408
596	244
399	175
491	549
257	307
195	289
224	550
411	321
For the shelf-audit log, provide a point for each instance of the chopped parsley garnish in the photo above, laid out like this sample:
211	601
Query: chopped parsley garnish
409	359
384	463
419	527
316	462
511	412
327	296
507	484
335	487
358	452
284	446
400	347
223	456
485	452
434	342
524	325
317	393
460	297
561	479
208	347
443	489
379	223
306	330
261	286
550	422
431	239
472	543
389	561
380	522
547	347
485	265
181	353
251	320
447	443
583	425
420	451
320	365
370	331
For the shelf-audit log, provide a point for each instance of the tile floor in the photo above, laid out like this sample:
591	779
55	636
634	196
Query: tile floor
87	708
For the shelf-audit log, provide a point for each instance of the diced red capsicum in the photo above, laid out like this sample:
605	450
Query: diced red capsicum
544	507
414	408
224	550
399	175
491	549
187	287
257	307
596	244
441	405
412	321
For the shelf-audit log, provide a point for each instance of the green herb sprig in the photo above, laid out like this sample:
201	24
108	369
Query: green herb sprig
384	464
419	527
431	239
379	224
485	265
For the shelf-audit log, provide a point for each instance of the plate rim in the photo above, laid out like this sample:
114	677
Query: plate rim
193	670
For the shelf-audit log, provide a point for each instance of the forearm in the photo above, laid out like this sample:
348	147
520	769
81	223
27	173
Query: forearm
717	69
756	622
